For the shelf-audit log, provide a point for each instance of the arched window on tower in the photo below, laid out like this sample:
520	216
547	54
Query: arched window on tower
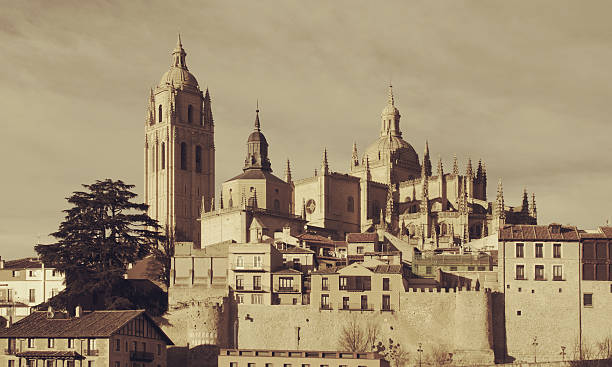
163	155
350	204
189	114
183	156
159	113
198	159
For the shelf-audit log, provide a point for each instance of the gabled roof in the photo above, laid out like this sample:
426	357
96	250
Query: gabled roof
296	250
94	324
361	237
25	263
602	233
538	233
314	238
288	271
257	174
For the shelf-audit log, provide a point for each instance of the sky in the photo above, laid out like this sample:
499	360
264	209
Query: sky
526	86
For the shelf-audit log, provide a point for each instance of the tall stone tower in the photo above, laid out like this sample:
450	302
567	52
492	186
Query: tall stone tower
179	152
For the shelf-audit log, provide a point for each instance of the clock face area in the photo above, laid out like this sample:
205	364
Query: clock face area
311	205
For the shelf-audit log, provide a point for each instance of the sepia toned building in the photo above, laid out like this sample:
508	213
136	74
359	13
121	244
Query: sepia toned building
99	338
298	358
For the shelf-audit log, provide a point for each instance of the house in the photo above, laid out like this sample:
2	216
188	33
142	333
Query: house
122	338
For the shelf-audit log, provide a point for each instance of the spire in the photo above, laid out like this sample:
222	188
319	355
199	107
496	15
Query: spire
324	164
440	169
499	201
426	160
207	116
525	207
257	123
257	148
367	169
424	190
479	170
484	181
390	99
469	172
355	158
455	166
533	210
178	55
288	172
390	117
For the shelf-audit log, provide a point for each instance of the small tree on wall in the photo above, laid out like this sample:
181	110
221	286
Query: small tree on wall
393	352
358	337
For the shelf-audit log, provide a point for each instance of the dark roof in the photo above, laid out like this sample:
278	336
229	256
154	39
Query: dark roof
93	324
314	238
604	233
538	233
388	269
340	243
330	270
361	237
296	250
257	174
25	263
287	271
607	231
50	354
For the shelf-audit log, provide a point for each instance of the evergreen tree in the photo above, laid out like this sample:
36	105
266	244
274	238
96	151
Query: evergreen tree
102	233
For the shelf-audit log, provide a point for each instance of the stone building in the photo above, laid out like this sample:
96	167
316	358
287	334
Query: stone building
98	338
179	151
25	283
287	358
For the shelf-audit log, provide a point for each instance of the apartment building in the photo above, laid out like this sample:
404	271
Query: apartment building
540	276
250	271
367	286
25	283
287	287
290	358
94	339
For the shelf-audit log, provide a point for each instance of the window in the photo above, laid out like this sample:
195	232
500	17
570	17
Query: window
69	363
183	156
588	299
600	272
91	344
163	155
11	363
539	272
159	349
453	268
386	302
364	302
269	365
134	346
345	303
251	365
287	365
15	273
557	272
50	363
471	268
350	204
343	283
428	270
239	262
31	343
257	282
539	250
32	295
360	249
257	263
305	365
90	363
557	250
385	284
239	299
518	313
70	343
233	364
285	283
239	282
189	113
159	113
50	343
588	272
520	250
325	301
324	284
118	345
31	273
520	272
276	205
198	159
481	268
117	364
256	299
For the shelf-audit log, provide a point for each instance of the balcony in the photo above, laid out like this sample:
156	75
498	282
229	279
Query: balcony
355	289
557	277
140	356
359	307
249	267
287	290
10	351
92	352
325	307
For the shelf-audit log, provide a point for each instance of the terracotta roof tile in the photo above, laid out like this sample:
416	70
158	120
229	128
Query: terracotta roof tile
388	269
538	233
97	324
25	263
309	237
361	237
330	270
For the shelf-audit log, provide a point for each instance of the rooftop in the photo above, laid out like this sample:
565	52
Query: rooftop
361	237
551	232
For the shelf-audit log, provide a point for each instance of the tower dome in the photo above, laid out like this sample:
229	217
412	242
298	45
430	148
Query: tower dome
257	148
178	74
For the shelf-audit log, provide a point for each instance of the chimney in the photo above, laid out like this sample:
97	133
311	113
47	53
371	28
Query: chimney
9	321
50	313
1	263
78	311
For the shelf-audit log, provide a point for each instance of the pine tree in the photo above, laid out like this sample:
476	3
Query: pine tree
102	233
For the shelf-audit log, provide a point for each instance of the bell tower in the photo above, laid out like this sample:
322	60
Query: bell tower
179	151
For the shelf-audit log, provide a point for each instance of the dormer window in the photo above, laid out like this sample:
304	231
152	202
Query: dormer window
555	228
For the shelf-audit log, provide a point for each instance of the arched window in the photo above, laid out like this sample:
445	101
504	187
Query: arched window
350	204
198	159
183	156
159	114
189	114
276	205
163	155
443	229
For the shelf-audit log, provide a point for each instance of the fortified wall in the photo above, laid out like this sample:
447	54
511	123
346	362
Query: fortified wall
457	321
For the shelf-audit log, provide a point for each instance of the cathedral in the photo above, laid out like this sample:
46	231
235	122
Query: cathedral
388	187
